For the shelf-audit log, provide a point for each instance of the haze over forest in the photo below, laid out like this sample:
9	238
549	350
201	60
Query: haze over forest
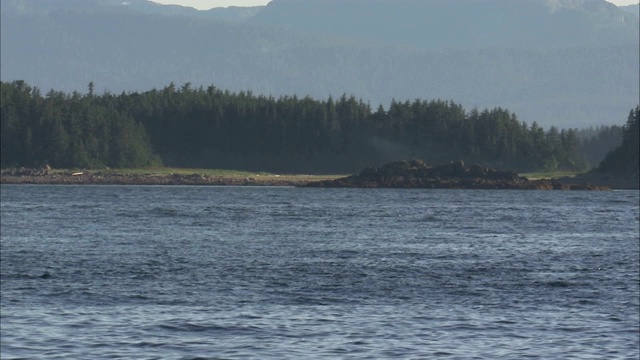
555	62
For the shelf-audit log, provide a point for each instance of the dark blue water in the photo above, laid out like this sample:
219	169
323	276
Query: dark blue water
230	272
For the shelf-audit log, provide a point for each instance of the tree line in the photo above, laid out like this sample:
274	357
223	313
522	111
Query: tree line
212	128
68	131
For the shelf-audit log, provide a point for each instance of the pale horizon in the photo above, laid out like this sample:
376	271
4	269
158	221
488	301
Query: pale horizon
209	4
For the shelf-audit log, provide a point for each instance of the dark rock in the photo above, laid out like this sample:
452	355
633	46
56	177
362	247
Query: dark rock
454	175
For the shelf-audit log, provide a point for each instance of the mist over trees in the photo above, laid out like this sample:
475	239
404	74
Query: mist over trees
624	160
184	126
597	142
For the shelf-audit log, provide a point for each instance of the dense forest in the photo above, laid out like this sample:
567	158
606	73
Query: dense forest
212	128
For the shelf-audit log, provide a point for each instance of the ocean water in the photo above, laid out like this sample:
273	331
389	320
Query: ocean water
162	272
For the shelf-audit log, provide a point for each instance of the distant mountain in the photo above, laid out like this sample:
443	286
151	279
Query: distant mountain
137	45
460	24
47	7
634	9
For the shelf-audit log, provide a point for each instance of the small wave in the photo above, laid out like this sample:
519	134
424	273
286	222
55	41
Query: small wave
127	214
35	208
617	201
85	206
442	353
570	329
557	284
318	301
44	275
432	218
586	302
188	327
215	328
146	344
160	211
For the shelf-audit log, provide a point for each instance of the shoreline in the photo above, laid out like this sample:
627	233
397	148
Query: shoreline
614	183
89	178
226	180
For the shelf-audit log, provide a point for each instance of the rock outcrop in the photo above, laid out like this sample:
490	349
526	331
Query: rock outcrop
417	174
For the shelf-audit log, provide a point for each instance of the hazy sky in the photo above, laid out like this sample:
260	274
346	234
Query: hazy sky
208	4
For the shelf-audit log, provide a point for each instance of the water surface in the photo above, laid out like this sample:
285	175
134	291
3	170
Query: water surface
239	272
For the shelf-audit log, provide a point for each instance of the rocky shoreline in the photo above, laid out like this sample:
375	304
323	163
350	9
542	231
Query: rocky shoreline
47	176
417	174
401	174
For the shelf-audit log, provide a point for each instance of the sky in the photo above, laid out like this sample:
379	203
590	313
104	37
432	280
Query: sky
208	4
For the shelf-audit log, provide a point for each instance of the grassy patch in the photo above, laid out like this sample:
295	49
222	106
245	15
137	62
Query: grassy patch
160	171
549	175
167	171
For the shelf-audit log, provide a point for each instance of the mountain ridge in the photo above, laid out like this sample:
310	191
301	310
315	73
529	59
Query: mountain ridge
530	24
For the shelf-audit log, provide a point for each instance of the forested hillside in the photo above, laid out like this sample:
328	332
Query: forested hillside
66	44
208	127
624	161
